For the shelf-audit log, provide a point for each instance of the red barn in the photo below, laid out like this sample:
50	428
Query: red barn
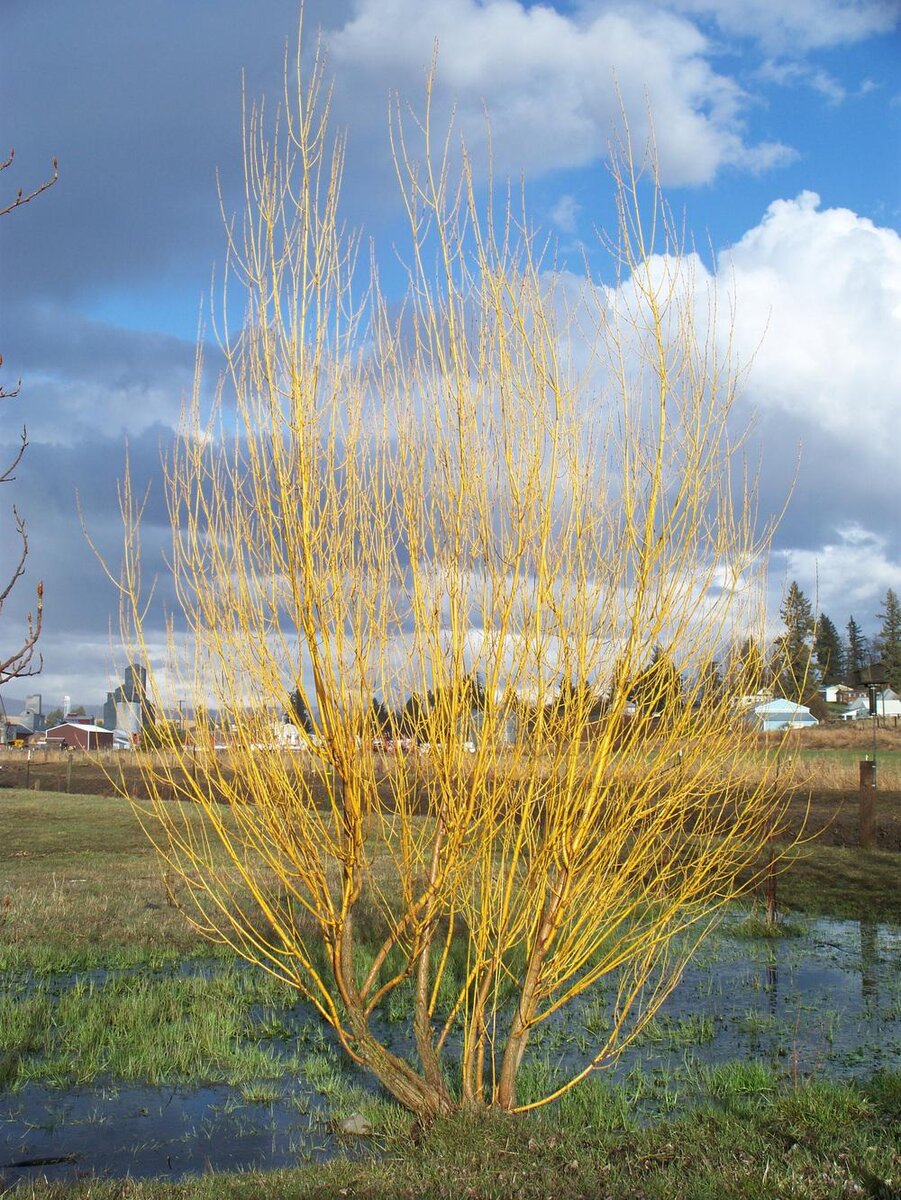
80	736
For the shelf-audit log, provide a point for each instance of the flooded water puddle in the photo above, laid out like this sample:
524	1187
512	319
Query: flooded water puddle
158	1132
826	1003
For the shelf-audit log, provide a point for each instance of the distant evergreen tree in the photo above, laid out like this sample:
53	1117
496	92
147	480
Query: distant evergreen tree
747	672
889	639
710	685
577	703
298	713
828	651
382	717
659	687
793	649
857	652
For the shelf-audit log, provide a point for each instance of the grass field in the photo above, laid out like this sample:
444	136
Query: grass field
80	889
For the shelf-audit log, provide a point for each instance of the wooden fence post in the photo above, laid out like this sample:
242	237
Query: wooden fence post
867	804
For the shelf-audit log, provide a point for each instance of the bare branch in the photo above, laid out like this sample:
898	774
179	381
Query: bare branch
21	662
23	197
7	476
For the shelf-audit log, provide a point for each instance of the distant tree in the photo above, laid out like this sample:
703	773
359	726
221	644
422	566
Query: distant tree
576	705
889	639
817	706
828	651
54	717
747	672
298	714
710	684
445	713
161	733
792	650
20	662
383	718
658	689
414	715
857	653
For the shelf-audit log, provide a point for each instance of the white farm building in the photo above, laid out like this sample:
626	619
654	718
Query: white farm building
778	715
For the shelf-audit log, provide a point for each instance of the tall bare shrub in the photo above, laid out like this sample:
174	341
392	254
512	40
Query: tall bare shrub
521	502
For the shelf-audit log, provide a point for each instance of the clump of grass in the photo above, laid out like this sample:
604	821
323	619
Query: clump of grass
187	1028
675	1032
323	1072
261	1092
755	927
733	1083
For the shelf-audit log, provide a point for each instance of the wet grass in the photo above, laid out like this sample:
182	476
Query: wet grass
145	1028
839	881
80	889
754	1141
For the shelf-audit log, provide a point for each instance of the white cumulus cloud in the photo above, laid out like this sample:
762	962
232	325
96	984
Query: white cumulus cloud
819	308
847	574
553	83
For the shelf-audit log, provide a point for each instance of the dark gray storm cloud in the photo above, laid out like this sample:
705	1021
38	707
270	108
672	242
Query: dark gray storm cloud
826	484
142	105
56	487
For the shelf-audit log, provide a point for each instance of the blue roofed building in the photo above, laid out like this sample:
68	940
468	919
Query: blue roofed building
777	715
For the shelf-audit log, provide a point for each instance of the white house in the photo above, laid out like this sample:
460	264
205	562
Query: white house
888	704
777	715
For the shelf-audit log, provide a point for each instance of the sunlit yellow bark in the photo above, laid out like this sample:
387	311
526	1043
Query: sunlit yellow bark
502	496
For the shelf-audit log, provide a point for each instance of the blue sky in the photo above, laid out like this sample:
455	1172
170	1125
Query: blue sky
759	108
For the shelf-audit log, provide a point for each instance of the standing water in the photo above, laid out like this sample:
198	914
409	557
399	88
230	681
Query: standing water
824	1003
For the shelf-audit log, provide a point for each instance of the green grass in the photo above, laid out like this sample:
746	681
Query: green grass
838	881
82	887
823	756
755	927
819	1141
184	1028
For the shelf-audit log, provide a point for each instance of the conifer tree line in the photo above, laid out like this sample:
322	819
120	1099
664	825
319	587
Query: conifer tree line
812	650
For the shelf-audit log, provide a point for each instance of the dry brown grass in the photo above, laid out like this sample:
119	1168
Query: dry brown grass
824	758
850	735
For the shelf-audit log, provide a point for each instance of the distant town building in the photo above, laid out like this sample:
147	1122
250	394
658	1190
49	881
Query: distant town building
126	707
21	726
888	704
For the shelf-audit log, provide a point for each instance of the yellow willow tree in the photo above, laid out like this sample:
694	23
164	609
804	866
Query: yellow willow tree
512	501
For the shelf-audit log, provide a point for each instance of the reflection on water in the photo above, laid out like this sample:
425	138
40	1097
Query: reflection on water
148	1132
827	1003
